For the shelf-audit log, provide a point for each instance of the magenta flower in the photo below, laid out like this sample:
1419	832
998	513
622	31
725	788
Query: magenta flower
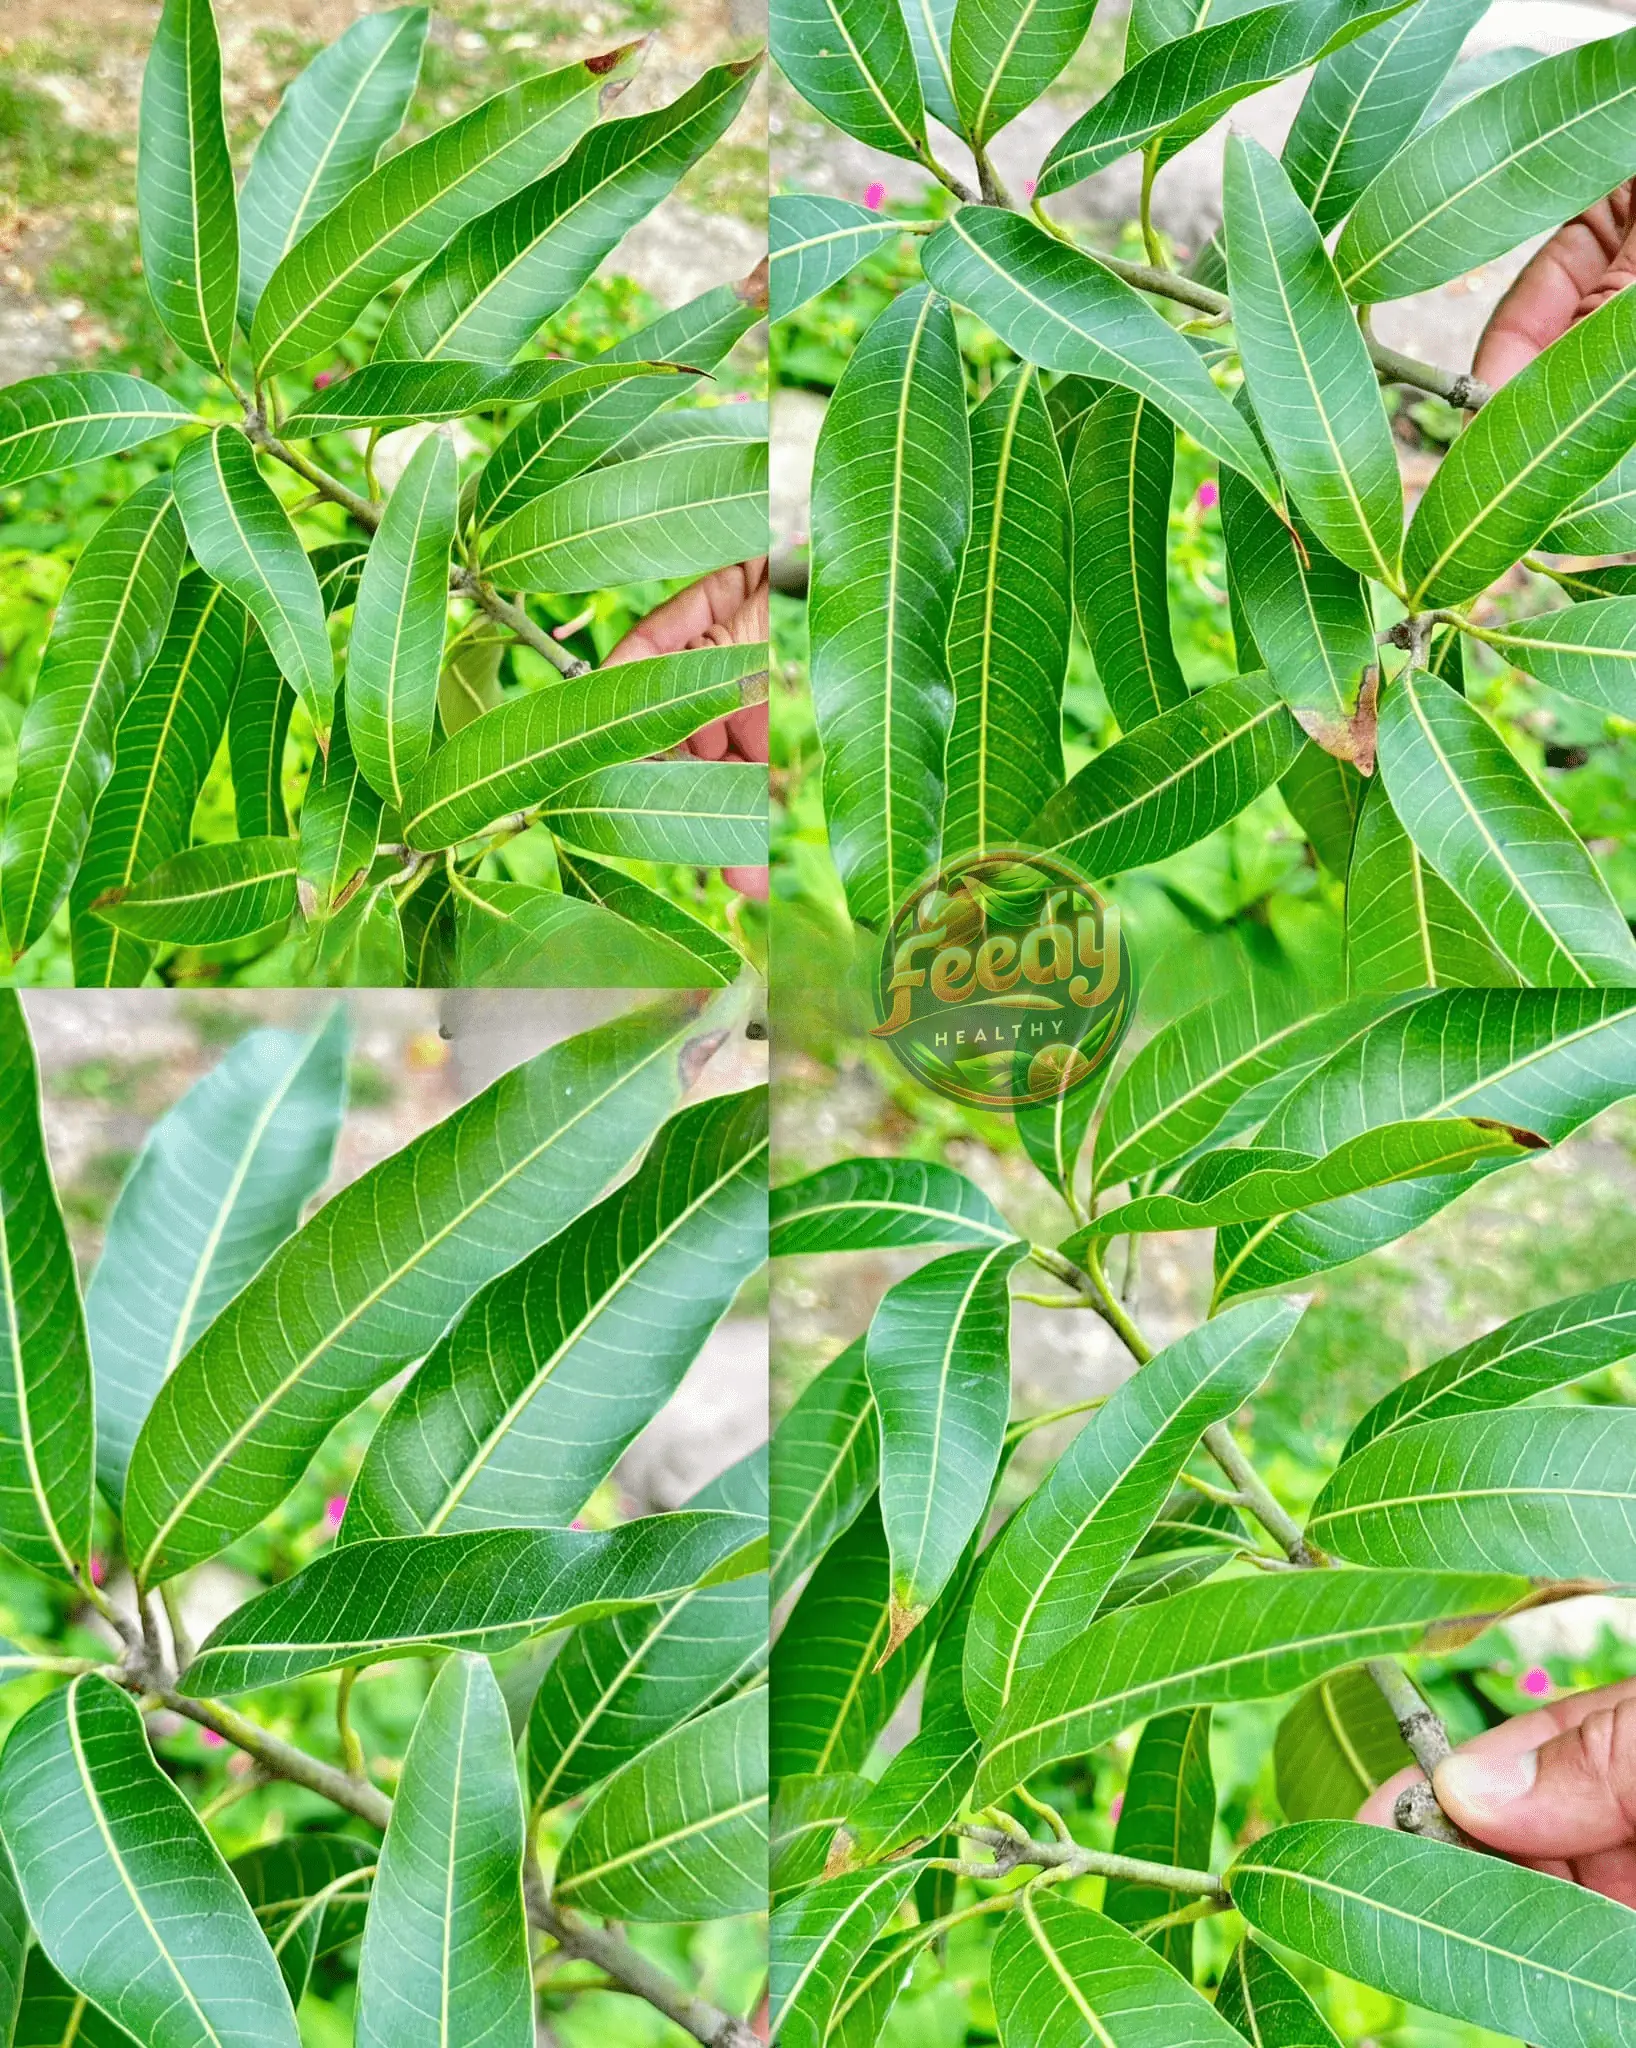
1535	1681
579	1522
99	1571
211	1739
1118	1806
1031	186
323	380
334	1509
1207	495
875	198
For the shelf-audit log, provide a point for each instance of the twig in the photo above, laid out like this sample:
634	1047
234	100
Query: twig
465	584
1010	1850
352	1750
1417	1811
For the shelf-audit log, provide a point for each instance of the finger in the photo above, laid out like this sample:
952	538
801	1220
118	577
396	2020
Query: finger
1619	273
747	881
710	742
1574	1795
747	730
691	614
1377	1810
1541	305
1612	1873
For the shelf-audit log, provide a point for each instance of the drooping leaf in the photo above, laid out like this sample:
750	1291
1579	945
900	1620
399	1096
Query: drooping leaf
308	1893
718	960
826	1461
128	1895
445	1948
1169	1816
1334	1746
818	1939
703	813
514	935
1405	927
108	628
1516	160
853	61
207	895
1003	56
891	498
186	205
388	394
342	821
55	422
218	1185
1267	2006
373	1279
870	1204
815	241
521	1411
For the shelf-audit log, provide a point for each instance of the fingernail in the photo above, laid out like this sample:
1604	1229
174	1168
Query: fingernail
1474	1785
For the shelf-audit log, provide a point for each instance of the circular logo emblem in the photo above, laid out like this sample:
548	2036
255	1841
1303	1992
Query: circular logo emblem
1004	980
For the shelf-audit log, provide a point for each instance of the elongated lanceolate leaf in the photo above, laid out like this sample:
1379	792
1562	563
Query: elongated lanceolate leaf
1004	53
1483	1940
1517	160
308	1893
704	813
853	61
384	1267
46	1434
1237	1639
815	241
186	205
258	724
514	935
239	534
1169	1816
1405	927
869	1204
819	1938
49	423
1059	1554
53	2013
826	1460
107	630
805	1815
331	125
404	212
1603	521
523	1408
208	895
445	1950
218	1185
1587	651
717	959
1334	1746
341	824
129	1896
1062	310
1260	1997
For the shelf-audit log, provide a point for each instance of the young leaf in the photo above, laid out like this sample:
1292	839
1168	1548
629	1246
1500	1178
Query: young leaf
485	1591
207	895
445	1948
1515	161
1008	635
514	935
1488	829
308	1893
1063	1548
815	240
163	748
521	1411
1260	1997
395	656
1494	1945
1334	1746
404	212
1062	310
1004	53
508	271
388	394
218	1185
46	1437
1173	781
703	813
852	60
825	1465
868	1204
49	423
1405	927
108	628
1532	451
1053	1131
530	748
716	960
331	125
371	1282
186	204
1239	1639
1124	462
129	1896
239	534
680	1832
341	825
891	500
818	1940
1169	1816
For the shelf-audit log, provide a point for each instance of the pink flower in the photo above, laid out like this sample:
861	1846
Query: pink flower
1031	186
334	1509
1535	1681
323	380
1207	495
578	1522
1118	1806
99	1571
875	198
211	1739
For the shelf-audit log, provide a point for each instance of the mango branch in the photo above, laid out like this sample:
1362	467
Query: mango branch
1012	1850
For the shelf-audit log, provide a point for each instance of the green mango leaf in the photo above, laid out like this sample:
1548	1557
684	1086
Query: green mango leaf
1061	309
815	241
428	926
445	1950
1059	1971
522	1410
57	422
400	1252
676	512
240	535
128	1895
1002	58
702	813
1123	466
1307	367
1187	83
1324	797
395	655
485	1590
332	123
509	270
388	394
1492	1944
1169	1816
1236	1639
339	567
1526	458
853	61
514	935
1062	1550
360	946
219	1184
1173	781
939	1365
404	212
819	1938
186	204
532	747
1008	634
14	1943
55	2015
805	1815
108	628
308	1893
619	1684
1586	651
207	895
1365	100
1260	1997
883	588
342	821
1485	826
1053	1131
825	1466
872	1204
166	740
1603	521
1514	161
1405	927
1152	23
47	1451
716	959
680	1832
1336	1744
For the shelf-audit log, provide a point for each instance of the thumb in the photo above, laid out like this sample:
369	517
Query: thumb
1572	1796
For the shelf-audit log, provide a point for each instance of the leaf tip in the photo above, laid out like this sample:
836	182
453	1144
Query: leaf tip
753	290
901	1624
843	1855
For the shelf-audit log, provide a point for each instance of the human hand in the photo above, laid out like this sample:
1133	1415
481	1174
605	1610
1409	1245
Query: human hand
728	608
1579	269
1555	1789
